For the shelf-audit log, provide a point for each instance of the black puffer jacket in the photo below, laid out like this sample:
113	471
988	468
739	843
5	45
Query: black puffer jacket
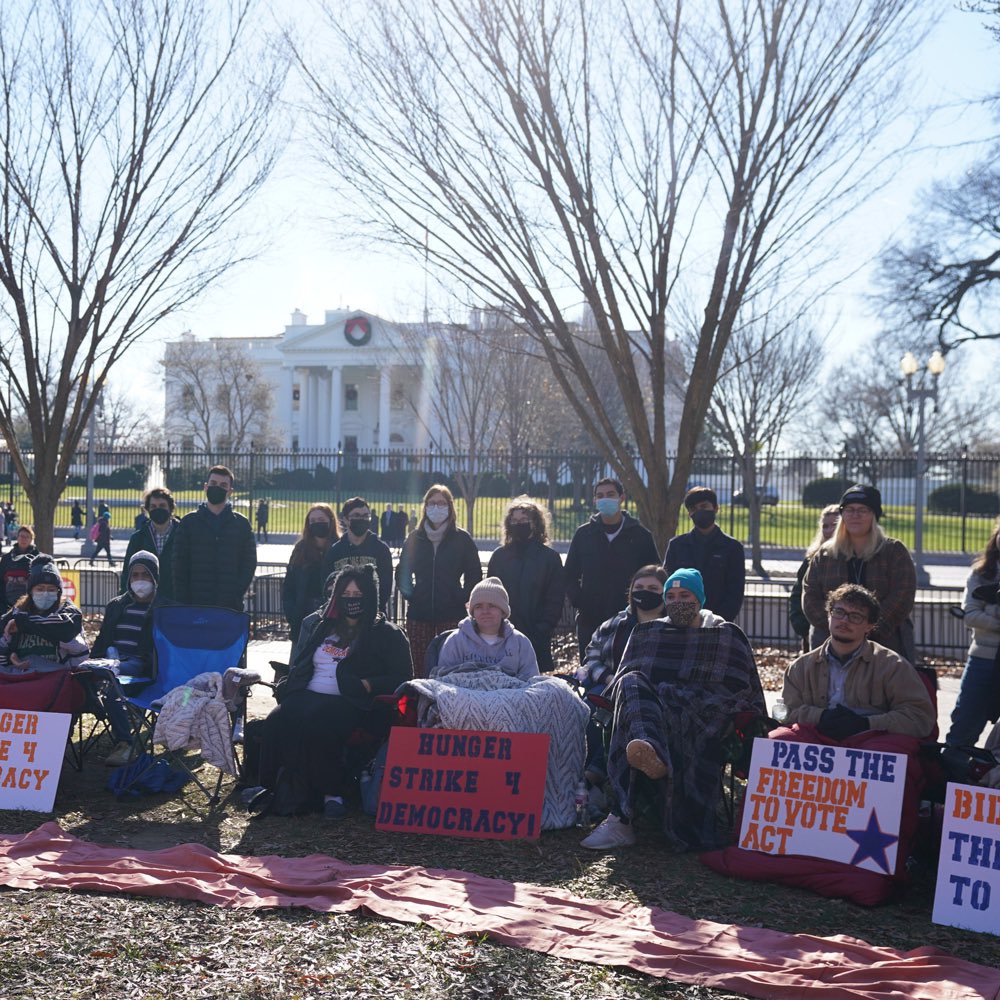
214	558
532	575
437	583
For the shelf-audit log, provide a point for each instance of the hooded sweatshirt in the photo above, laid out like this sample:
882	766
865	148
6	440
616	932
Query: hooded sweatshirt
513	653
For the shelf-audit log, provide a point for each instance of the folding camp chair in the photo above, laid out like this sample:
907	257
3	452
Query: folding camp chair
188	641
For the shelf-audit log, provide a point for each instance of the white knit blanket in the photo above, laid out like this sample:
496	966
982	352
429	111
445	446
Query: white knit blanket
483	699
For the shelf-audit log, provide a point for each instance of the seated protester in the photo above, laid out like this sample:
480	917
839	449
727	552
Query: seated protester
124	646
850	684
486	638
42	631
682	679
344	658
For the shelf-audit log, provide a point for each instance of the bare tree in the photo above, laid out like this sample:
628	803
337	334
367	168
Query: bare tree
131	136
217	396
613	153
772	367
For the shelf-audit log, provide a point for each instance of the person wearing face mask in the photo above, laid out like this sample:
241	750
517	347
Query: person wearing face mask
345	657
124	647
37	633
214	553
15	566
828	519
707	548
155	535
438	567
602	557
360	546
301	590
532	574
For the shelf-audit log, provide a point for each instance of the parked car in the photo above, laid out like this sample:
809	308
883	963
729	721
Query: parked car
766	496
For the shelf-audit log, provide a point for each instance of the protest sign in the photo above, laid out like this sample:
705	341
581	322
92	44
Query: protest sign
31	755
464	784
836	803
968	883
71	585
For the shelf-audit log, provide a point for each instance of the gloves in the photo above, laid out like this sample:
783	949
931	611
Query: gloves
840	723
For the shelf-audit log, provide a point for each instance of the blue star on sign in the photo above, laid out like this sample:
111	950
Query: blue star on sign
872	843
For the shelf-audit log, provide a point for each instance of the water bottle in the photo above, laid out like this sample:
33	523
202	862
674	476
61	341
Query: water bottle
581	805
779	711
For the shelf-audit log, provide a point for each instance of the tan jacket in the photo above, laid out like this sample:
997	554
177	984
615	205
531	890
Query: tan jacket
878	680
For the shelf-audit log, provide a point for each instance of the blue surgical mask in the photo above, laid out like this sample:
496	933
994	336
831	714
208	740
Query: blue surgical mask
607	506
44	599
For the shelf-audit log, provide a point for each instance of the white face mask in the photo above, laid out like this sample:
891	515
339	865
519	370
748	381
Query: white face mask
436	512
44	599
143	588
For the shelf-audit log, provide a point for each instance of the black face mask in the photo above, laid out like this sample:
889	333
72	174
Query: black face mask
358	525
520	532
703	518
353	607
216	494
159	515
319	529
647	600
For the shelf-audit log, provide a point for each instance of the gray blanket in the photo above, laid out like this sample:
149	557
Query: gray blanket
471	697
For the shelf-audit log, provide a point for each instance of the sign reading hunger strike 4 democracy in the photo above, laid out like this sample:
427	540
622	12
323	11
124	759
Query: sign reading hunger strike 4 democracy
464	784
31	756
968	884
836	803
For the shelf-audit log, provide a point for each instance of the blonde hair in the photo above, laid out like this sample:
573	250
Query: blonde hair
817	542
841	546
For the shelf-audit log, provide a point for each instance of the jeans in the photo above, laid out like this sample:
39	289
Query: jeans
975	696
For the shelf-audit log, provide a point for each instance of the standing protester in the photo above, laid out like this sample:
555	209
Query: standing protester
301	591
824	532
262	517
707	548
103	538
603	555
155	535
214	553
383	526
438	567
15	566
532	575
76	519
860	552
361	547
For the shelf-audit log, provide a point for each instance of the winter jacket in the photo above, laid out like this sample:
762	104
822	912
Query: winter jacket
982	615
437	582
41	633
142	541
371	552
14	566
796	616
880	684
113	615
889	574
532	575
214	558
380	654
598	571
513	654
720	560
301	592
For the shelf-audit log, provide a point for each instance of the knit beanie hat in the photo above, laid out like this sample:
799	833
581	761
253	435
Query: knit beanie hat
490	591
869	496
149	561
689	579
43	570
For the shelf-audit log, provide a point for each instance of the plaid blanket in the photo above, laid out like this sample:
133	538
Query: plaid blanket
679	690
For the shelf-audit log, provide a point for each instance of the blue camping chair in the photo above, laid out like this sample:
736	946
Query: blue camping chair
187	641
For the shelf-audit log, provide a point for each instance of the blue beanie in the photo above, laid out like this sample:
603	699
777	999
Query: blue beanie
689	579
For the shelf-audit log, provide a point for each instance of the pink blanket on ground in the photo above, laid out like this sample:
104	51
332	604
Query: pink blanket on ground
759	962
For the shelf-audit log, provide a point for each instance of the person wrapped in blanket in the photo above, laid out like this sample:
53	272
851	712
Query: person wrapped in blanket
346	655
41	632
681	680
486	638
124	648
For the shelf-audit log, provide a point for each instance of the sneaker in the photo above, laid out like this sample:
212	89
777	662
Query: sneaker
247	795
643	757
610	834
121	754
334	809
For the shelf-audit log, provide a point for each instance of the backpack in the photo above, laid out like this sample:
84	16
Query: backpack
95	530
291	796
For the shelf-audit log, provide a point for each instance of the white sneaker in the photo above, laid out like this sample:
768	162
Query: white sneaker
121	754
610	834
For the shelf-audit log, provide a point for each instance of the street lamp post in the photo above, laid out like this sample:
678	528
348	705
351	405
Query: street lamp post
910	366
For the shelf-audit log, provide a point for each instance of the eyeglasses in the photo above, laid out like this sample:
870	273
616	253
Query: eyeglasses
856	510
854	617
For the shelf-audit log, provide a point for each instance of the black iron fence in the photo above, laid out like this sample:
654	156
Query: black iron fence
961	488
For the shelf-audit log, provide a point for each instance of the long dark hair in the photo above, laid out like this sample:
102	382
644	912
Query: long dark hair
985	563
306	551
364	577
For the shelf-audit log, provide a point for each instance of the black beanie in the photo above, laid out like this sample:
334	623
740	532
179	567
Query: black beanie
869	496
43	570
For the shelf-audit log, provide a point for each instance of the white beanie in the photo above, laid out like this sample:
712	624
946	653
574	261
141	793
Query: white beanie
490	591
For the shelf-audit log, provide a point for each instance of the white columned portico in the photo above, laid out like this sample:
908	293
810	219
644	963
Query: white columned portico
305	401
287	401
336	405
323	416
384	399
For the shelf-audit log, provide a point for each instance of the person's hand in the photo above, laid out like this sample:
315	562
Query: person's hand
10	629
991	778
17	661
840	723
366	684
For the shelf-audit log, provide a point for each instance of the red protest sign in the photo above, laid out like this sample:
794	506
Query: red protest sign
457	783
